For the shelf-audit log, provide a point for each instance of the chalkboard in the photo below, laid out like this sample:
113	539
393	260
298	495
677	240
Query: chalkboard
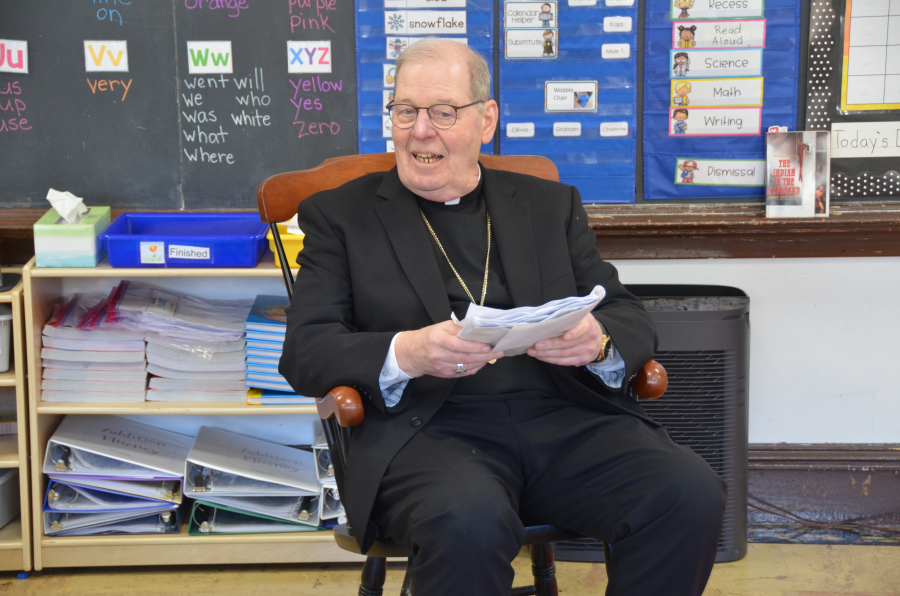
171	104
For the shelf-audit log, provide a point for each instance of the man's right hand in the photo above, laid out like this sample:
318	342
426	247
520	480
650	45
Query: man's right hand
435	350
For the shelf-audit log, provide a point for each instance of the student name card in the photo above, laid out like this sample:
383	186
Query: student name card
865	139
525	15
716	35
713	64
570	96
720	172
531	44
425	22
714	122
715	9
709	93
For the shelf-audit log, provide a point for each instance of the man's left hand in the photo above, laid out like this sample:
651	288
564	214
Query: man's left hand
578	346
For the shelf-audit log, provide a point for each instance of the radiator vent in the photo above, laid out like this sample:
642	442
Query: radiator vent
704	407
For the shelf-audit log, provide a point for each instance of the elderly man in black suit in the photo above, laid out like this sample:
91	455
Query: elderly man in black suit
463	447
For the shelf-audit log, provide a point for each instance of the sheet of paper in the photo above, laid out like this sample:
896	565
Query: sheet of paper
515	330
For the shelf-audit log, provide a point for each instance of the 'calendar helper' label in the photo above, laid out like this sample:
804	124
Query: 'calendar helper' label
531	44
717	35
716	9
710	93
720	172
523	15
714	122
424	22
713	64
570	96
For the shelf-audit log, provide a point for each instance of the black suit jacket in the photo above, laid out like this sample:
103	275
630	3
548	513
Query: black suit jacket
367	272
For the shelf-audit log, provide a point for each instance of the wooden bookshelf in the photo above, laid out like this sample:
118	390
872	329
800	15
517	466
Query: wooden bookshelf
43	287
15	537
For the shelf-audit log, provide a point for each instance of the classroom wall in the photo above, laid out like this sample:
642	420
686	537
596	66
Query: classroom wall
823	342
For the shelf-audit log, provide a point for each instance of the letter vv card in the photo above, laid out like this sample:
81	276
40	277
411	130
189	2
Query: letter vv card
568	80
717	75
384	28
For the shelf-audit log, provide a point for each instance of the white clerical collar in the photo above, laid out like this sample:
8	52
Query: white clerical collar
457	199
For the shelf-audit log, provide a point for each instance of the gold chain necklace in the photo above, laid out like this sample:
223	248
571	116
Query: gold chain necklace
487	259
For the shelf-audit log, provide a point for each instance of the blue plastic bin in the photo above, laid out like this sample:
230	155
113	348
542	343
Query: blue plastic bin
185	240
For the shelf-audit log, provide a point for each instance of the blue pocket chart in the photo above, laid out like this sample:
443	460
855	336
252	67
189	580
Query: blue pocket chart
716	77
568	73
384	28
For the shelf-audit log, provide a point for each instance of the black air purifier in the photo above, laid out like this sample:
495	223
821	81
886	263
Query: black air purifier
704	345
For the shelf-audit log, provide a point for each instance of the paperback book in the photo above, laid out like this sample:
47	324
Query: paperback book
798	174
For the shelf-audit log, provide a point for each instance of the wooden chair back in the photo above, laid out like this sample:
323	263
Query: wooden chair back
279	195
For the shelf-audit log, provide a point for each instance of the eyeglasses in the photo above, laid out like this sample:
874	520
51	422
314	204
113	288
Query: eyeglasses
441	115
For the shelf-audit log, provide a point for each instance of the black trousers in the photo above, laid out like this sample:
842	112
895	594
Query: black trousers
461	492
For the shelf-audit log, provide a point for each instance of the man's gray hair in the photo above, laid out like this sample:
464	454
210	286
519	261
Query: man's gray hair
437	50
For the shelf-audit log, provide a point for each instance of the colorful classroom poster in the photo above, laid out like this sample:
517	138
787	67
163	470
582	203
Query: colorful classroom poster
568	78
717	75
385	28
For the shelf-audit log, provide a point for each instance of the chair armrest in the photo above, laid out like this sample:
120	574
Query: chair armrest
344	404
651	381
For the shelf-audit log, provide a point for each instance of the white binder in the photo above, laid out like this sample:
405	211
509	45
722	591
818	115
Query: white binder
129	522
229	464
112	447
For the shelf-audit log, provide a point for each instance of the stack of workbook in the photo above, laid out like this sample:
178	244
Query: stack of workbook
194	371
265	328
108	475
244	485
86	360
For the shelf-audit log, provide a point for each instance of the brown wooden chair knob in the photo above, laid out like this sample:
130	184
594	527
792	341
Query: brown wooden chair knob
344	404
651	381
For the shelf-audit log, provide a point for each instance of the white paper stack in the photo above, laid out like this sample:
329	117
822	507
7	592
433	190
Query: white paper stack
195	371
103	363
179	316
515	330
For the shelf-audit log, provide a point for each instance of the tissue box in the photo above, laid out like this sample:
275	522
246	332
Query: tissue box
61	244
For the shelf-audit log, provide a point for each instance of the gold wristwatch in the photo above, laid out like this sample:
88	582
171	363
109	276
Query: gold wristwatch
605	347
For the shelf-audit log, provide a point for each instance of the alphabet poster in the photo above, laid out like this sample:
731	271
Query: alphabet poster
717	75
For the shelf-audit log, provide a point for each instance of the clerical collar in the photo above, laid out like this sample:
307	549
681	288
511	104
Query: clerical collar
469	197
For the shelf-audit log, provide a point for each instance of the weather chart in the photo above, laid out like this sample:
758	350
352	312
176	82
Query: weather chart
384	28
